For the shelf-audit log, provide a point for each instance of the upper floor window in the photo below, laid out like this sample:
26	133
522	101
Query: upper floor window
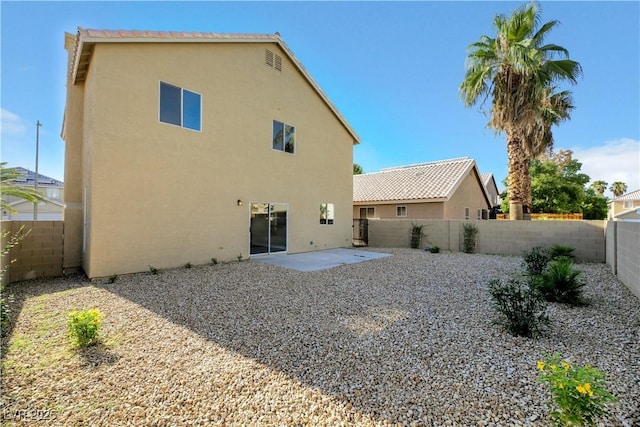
284	137
401	211
180	107
627	204
466	213
326	213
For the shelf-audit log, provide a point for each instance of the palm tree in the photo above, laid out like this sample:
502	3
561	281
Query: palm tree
517	69
599	187
357	169
7	177
618	188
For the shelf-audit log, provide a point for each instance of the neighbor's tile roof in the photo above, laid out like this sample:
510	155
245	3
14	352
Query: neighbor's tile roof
633	195
87	38
434	181
28	178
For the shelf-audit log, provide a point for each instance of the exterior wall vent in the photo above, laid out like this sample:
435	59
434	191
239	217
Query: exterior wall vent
273	60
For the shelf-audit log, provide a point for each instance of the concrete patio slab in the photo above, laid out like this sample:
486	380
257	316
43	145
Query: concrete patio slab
319	260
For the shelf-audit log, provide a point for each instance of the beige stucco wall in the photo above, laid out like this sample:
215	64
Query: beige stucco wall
470	194
623	252
162	195
414	210
617	207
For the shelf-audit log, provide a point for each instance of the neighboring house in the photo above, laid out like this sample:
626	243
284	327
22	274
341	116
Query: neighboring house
446	189
492	189
183	147
49	209
625	206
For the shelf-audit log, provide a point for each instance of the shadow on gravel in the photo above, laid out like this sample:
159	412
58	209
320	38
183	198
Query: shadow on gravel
97	355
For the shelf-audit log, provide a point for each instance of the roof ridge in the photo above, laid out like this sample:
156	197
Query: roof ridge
417	165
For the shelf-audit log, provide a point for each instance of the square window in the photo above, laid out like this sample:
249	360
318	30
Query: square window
627	204
180	107
284	137
367	213
401	211
326	213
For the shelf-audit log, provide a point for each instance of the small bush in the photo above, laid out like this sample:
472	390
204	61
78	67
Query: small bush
113	278
536	260
239	258
435	250
577	391
5	310
188	265
523	309
470	233
560	283
416	236
84	326
153	270
214	261
557	251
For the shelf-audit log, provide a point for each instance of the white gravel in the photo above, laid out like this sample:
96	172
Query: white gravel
405	340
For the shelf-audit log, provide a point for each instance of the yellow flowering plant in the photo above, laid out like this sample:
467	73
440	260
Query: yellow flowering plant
577	391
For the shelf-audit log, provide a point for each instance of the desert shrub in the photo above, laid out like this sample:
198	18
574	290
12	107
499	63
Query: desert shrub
578	392
214	261
153	270
557	251
560	282
536	260
84	326
188	265
416	236
523	309
470	233
112	279
435	249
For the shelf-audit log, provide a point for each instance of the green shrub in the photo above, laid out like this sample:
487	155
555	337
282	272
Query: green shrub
416	236
536	260
557	251
239	258
470	233
153	270
577	391
188	265
113	278
214	261
5	310
435	249
560	282
523	309
84	326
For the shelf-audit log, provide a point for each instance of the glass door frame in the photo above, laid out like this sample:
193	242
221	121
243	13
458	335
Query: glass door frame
270	218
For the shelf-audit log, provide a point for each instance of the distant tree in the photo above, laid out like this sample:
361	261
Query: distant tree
594	205
599	187
517	70
357	169
618	188
8	177
557	189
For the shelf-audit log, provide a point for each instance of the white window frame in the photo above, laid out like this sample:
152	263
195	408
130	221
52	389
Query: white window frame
182	89
284	143
399	210
328	215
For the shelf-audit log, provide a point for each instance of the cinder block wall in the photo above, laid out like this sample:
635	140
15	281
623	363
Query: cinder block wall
496	237
39	253
611	245
628	254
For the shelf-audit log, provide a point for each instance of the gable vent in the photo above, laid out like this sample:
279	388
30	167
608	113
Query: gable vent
273	60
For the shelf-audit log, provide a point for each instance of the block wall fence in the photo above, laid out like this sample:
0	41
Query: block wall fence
38	254
623	252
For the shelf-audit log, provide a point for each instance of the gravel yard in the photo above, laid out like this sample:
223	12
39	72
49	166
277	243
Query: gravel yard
403	340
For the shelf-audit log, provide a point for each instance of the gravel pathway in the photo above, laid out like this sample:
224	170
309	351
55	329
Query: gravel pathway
403	340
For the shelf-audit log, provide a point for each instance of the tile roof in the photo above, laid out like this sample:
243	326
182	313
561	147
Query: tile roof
633	195
431	182
27	178
87	38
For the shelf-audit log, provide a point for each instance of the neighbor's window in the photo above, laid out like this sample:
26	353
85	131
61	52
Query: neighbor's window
466	213
326	213
180	107
284	137
367	213
627	204
401	211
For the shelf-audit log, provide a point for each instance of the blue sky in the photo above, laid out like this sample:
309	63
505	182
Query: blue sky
391	68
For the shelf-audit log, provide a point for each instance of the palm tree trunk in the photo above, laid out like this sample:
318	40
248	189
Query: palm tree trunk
517	169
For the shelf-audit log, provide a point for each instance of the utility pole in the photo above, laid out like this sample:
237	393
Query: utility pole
35	185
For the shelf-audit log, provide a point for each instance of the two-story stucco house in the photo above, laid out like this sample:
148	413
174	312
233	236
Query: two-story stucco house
183	147
50	209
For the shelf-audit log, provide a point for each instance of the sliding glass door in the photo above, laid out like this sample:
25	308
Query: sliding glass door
268	228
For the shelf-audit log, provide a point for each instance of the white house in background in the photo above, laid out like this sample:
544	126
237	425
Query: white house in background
492	189
48	210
